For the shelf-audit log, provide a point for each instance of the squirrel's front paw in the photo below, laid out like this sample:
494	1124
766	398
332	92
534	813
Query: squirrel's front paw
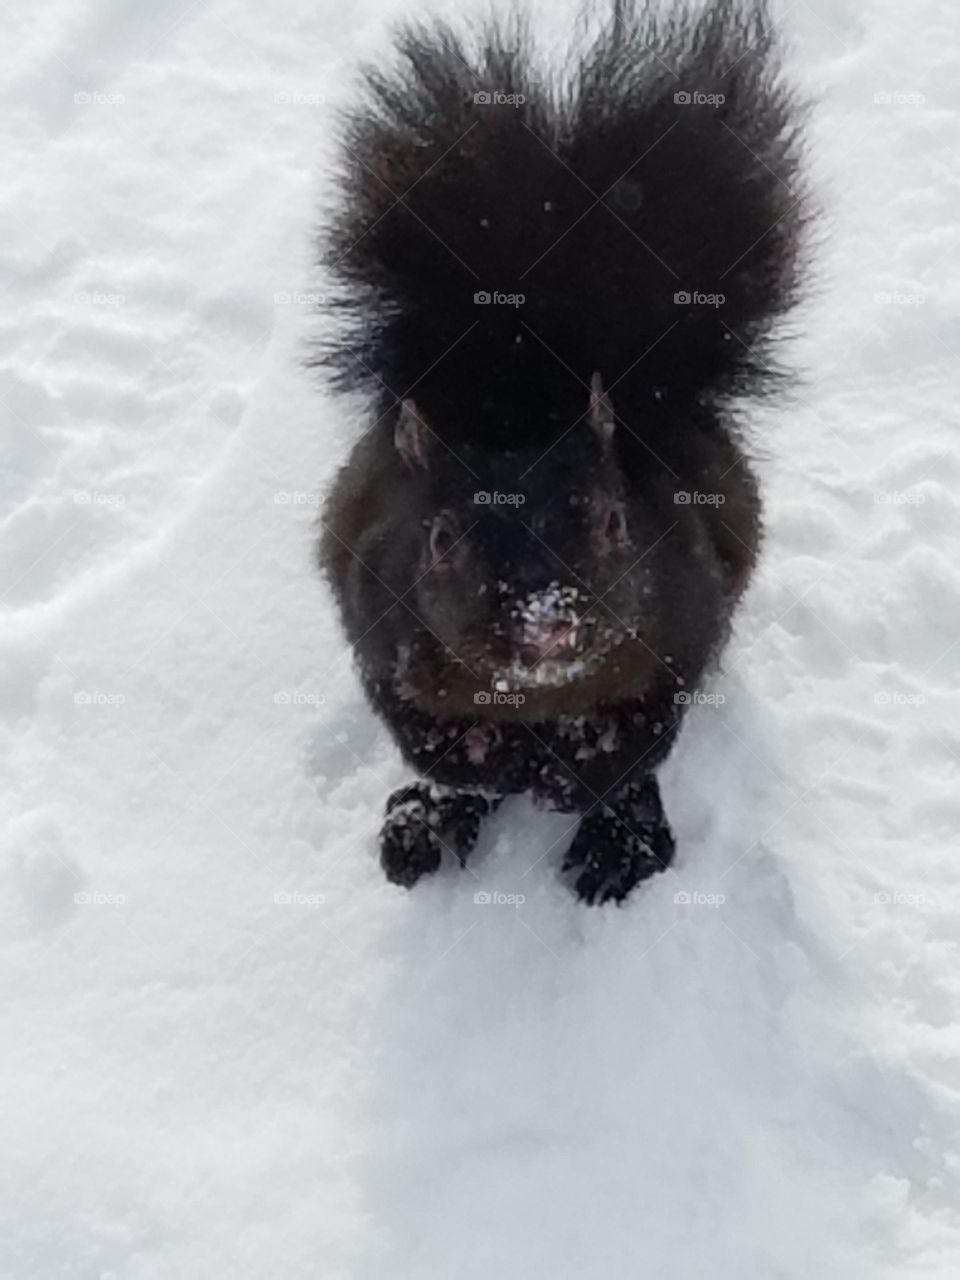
424	819
618	846
409	846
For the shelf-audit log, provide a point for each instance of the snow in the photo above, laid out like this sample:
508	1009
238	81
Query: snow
230	1050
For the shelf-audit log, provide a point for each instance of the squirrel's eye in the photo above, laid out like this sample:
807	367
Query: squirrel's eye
615	525
443	534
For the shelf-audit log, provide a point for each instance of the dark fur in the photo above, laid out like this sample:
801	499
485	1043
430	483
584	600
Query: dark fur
599	199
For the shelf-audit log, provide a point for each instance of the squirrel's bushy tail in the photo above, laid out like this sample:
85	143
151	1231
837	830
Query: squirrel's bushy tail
504	229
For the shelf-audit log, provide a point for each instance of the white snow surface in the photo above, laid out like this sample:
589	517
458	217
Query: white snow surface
229	1049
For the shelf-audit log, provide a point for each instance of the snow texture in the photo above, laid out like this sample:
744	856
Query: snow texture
230	1048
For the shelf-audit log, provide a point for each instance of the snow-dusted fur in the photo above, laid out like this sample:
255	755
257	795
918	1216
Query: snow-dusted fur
633	214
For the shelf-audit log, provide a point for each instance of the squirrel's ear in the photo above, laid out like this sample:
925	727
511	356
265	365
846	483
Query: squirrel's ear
602	418
412	436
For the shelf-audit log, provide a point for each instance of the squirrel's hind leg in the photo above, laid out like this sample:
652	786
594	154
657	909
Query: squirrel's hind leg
620	842
423	819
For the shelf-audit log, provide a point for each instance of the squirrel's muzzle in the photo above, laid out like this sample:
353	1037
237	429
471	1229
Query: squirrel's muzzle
547	630
555	641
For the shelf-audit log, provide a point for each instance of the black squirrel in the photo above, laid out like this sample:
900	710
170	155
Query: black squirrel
558	289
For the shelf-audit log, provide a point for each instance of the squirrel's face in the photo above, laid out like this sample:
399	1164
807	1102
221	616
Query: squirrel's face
533	566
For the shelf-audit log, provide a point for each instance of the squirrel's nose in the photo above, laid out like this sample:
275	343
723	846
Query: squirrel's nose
554	639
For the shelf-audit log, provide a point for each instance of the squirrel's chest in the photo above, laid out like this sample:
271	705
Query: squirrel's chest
566	764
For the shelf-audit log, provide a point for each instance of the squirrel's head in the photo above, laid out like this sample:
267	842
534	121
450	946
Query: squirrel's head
536	565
